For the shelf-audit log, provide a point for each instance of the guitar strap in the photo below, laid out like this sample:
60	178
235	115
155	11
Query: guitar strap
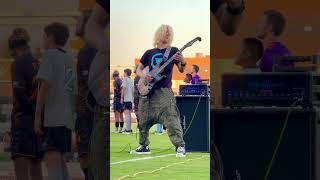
166	54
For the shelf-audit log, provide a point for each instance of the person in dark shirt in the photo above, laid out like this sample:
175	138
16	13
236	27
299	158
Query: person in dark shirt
84	121
117	106
187	78
25	145
228	14
160	105
99	76
270	28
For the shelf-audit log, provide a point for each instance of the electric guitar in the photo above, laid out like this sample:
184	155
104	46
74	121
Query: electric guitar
145	86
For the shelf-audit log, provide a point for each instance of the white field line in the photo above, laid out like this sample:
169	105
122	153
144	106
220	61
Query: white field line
143	158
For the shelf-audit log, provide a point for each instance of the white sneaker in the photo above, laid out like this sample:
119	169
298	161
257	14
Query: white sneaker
181	152
115	130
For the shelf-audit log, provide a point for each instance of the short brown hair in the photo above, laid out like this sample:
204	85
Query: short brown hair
277	21
19	39
254	46
128	72
59	31
115	73
189	76
196	68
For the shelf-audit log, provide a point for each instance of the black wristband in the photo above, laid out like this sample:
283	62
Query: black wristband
183	64
236	11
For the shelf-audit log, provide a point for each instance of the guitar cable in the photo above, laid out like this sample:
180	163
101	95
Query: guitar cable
280	138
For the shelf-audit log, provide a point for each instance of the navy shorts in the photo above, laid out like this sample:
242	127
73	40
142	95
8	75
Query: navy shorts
24	141
84	124
117	107
127	105
57	139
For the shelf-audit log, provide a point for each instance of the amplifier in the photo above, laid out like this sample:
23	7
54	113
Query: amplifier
195	122
193	89
269	89
246	139
291	63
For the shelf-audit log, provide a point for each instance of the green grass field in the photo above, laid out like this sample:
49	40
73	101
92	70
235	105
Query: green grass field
195	166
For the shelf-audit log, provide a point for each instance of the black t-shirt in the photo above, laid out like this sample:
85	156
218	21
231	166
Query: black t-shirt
117	90
215	4
85	58
152	57
105	4
24	85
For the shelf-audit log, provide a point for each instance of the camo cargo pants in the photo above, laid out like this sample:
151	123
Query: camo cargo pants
160	107
99	147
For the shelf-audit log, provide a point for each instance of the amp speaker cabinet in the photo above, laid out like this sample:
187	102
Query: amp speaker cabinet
246	139
198	134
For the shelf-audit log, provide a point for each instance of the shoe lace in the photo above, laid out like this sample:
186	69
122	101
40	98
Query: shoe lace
140	148
180	150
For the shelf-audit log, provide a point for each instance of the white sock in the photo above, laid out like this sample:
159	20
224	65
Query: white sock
128	122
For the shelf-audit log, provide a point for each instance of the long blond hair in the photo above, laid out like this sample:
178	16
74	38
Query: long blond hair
160	34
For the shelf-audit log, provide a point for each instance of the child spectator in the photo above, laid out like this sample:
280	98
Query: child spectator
195	75
117	106
251	50
127	99
25	144
56	98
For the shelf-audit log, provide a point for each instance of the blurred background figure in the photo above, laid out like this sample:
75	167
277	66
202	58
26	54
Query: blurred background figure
195	76
117	106
84	122
187	78
25	147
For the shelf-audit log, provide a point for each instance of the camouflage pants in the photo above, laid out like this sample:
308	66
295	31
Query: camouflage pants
99	146
160	107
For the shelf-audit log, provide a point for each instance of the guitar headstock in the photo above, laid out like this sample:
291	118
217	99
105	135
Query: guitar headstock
189	44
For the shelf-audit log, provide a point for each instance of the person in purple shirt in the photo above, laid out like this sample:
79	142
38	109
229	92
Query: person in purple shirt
195	75
269	30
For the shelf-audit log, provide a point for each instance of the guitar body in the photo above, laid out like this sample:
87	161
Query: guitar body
145	87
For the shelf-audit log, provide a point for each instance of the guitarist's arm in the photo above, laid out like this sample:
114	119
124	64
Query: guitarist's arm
182	62
141	74
140	70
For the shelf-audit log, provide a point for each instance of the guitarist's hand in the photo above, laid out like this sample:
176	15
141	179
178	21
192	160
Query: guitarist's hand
179	57
148	77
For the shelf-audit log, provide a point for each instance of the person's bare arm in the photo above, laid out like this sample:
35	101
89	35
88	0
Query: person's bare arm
228	22
123	89
41	100
140	70
95	29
